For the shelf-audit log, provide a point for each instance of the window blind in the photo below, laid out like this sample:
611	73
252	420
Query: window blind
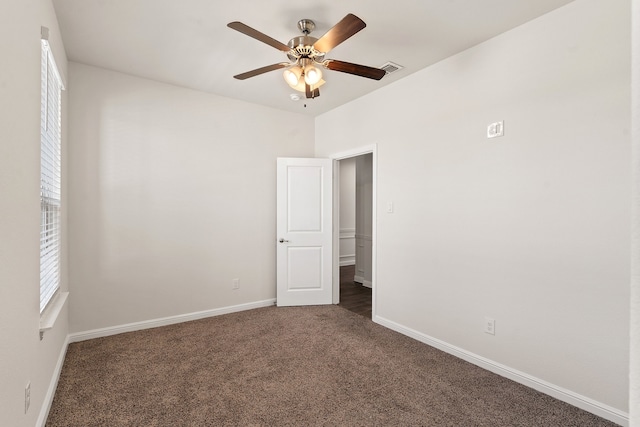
50	201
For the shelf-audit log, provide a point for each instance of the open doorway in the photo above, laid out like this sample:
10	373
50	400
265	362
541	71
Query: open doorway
355	221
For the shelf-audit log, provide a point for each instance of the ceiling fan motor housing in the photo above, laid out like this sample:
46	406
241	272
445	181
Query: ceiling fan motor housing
302	48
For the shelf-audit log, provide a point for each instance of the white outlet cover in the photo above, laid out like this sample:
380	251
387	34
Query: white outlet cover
489	325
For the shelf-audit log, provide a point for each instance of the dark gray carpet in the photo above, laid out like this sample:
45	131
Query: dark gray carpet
288	366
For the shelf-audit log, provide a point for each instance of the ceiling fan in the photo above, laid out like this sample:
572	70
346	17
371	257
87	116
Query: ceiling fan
306	52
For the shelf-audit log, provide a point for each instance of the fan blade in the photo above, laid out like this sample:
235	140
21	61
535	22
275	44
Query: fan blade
344	29
245	29
262	70
310	94
355	69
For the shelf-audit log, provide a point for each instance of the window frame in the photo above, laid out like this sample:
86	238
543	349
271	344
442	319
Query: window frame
50	174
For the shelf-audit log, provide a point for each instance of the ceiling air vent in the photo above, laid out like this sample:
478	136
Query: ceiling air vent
391	67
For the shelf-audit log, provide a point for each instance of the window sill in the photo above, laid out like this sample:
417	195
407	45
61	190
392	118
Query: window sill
50	314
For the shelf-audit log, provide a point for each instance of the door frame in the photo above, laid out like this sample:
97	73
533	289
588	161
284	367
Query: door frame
368	149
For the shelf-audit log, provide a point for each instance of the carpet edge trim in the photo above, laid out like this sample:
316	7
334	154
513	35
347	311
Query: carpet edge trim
165	321
53	385
560	393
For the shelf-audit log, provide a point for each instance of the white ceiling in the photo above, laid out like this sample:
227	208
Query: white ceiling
187	42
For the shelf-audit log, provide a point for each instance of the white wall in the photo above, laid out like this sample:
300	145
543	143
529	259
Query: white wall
23	357
364	218
172	196
634	388
347	211
531	229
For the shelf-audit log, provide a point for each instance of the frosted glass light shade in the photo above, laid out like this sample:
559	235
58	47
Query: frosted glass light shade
312	75
292	75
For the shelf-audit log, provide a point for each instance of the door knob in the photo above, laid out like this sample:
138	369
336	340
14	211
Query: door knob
283	241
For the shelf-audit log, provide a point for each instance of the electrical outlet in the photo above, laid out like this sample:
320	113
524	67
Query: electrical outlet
27	397
236	283
489	326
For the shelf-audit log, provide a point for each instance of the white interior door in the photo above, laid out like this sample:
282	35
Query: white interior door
304	231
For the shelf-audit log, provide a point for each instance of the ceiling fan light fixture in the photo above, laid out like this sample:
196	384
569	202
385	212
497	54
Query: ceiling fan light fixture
306	54
312	75
301	87
292	75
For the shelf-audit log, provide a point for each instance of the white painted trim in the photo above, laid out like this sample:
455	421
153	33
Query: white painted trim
634	341
362	281
335	276
560	393
373	149
355	152
347	233
53	385
347	260
52	311
154	323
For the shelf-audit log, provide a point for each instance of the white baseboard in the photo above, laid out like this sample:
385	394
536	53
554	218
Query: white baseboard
572	398
568	396
154	323
362	281
347	260
53	385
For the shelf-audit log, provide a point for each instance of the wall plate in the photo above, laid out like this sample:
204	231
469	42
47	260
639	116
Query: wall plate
495	130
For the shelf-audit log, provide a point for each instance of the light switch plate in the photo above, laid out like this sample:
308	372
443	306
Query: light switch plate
495	130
